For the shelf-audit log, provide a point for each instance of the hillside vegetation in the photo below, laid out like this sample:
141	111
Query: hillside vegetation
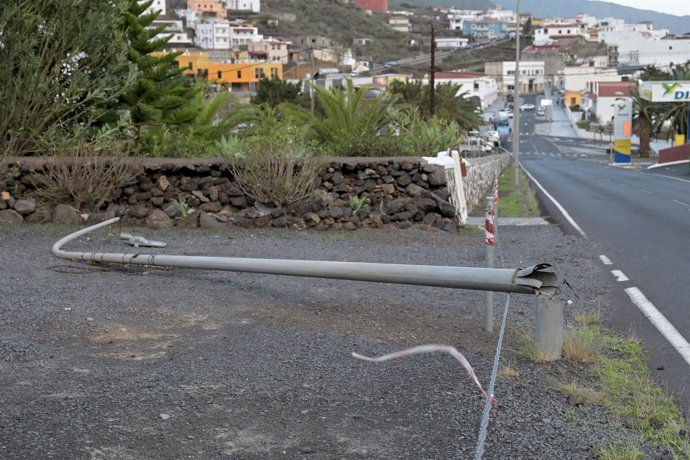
341	23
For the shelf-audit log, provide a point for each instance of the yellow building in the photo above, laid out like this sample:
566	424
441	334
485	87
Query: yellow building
572	98
240	77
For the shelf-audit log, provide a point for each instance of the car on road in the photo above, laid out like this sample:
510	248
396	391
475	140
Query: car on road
527	107
391	64
541	112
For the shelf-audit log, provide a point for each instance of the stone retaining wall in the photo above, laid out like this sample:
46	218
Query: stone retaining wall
202	192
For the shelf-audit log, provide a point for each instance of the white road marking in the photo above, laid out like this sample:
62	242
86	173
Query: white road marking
605	260
620	276
647	192
558	205
671	177
681	203
660	322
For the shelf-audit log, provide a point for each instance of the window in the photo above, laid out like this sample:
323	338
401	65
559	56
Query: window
239	74
220	74
476	85
274	72
511	72
190	66
258	73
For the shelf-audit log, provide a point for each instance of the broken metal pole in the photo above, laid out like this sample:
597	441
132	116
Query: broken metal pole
530	280
550	324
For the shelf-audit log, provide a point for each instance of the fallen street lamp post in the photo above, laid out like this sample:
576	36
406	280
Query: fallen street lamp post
531	280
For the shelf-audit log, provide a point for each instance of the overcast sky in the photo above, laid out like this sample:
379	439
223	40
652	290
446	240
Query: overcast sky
677	7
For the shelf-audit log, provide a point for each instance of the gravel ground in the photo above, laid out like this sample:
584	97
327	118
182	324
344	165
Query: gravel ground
147	363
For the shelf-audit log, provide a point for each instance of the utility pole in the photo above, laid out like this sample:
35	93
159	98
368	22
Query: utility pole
311	82
516	99
432	79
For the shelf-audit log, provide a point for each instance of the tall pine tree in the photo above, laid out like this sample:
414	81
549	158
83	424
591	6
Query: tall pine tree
161	96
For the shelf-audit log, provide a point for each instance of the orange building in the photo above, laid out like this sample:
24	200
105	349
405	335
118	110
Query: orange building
240	77
214	7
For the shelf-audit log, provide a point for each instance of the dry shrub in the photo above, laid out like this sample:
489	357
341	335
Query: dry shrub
276	169
85	171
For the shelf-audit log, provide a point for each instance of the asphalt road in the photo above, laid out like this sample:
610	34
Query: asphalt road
640	220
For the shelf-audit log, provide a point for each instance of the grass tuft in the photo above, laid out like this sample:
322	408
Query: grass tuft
509	372
586	394
620	453
583	345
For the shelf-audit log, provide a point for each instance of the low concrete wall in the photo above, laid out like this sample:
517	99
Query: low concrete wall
678	153
401	191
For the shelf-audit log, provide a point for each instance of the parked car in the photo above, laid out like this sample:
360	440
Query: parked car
527	107
493	137
541	112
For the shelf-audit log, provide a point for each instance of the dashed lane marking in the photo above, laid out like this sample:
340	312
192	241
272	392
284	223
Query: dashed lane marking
620	276
605	260
681	203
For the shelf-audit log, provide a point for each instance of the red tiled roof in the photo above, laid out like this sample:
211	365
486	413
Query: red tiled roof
610	88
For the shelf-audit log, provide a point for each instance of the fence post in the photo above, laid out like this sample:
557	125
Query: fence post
489	239
550	324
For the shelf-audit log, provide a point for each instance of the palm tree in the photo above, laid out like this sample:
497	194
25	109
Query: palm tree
643	114
350	121
450	103
674	113
458	107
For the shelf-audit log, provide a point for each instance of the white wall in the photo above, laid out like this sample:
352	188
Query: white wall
576	78
634	48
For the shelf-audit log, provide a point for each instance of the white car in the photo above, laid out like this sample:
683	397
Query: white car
527	107
493	137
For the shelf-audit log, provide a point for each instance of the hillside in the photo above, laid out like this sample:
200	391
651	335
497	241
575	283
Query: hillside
343	23
459	4
550	8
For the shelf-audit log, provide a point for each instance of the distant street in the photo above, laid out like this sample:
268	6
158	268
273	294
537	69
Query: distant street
639	220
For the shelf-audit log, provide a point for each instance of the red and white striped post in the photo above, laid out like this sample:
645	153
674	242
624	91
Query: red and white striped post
489	239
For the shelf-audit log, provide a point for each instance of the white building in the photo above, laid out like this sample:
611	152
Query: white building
276	50
600	98
243	5
213	34
531	75
453	42
577	78
545	34
500	14
243	35
619	25
457	19
641	48
474	83
400	23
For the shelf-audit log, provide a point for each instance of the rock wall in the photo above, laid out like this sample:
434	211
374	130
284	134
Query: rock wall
202	192
480	176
